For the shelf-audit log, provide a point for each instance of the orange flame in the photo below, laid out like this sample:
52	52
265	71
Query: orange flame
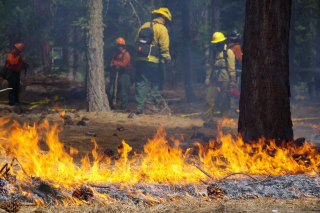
63	113
226	121
56	107
159	163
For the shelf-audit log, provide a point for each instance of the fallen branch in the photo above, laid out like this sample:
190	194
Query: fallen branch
166	107
260	181
4	166
28	204
7	168
99	186
204	182
239	173
24	171
204	172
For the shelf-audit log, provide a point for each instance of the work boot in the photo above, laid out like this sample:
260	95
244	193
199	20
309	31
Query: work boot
139	112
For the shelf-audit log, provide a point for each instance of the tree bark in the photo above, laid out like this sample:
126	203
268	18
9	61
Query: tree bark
265	97
71	53
215	15
187	59
97	99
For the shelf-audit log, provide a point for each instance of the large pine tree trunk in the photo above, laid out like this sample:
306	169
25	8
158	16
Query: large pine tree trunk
187	59
265	97
97	99
71	53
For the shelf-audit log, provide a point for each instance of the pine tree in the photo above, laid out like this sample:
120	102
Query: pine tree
265	98
97	99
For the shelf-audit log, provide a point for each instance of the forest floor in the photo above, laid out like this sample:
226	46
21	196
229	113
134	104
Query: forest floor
182	125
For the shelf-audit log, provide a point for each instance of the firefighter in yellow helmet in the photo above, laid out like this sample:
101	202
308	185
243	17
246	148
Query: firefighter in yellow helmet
152	47
221	75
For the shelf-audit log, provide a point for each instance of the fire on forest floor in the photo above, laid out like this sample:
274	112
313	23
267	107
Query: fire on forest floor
163	172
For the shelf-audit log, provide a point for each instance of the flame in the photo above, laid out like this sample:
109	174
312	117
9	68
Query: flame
63	113
226	121
56	107
160	162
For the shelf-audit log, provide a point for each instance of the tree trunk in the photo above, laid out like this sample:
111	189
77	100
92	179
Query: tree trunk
265	97
215	15
97	99
71	53
187	59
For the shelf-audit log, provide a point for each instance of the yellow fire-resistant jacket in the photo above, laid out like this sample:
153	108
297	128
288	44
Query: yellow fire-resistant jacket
217	66
161	37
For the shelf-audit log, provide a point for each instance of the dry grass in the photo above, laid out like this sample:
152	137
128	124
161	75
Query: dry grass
262	205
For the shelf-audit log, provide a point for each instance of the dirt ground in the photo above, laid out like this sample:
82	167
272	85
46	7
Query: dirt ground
180	125
262	205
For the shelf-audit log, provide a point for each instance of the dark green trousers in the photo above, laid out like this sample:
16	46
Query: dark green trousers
123	87
219	101
14	83
145	72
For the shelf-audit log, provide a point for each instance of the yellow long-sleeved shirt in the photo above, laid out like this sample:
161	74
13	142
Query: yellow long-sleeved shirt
217	66
161	37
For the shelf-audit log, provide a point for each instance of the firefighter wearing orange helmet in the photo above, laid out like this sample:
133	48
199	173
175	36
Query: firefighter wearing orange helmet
221	75
14	66
120	74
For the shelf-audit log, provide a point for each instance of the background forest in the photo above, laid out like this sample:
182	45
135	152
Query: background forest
54	34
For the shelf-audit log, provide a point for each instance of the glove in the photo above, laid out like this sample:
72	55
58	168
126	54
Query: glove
168	59
207	81
233	84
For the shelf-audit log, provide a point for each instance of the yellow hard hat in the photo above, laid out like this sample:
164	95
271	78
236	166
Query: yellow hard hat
163	11
218	37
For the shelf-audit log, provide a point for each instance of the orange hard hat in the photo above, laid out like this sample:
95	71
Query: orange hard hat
19	46
120	41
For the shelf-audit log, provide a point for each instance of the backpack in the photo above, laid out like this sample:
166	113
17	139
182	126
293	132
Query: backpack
238	63
225	57
4	71
144	44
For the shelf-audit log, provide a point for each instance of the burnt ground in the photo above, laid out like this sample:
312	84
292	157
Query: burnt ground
138	130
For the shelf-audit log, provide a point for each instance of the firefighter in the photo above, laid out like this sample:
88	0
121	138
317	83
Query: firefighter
120	74
221	75
152	49
15	65
234	45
